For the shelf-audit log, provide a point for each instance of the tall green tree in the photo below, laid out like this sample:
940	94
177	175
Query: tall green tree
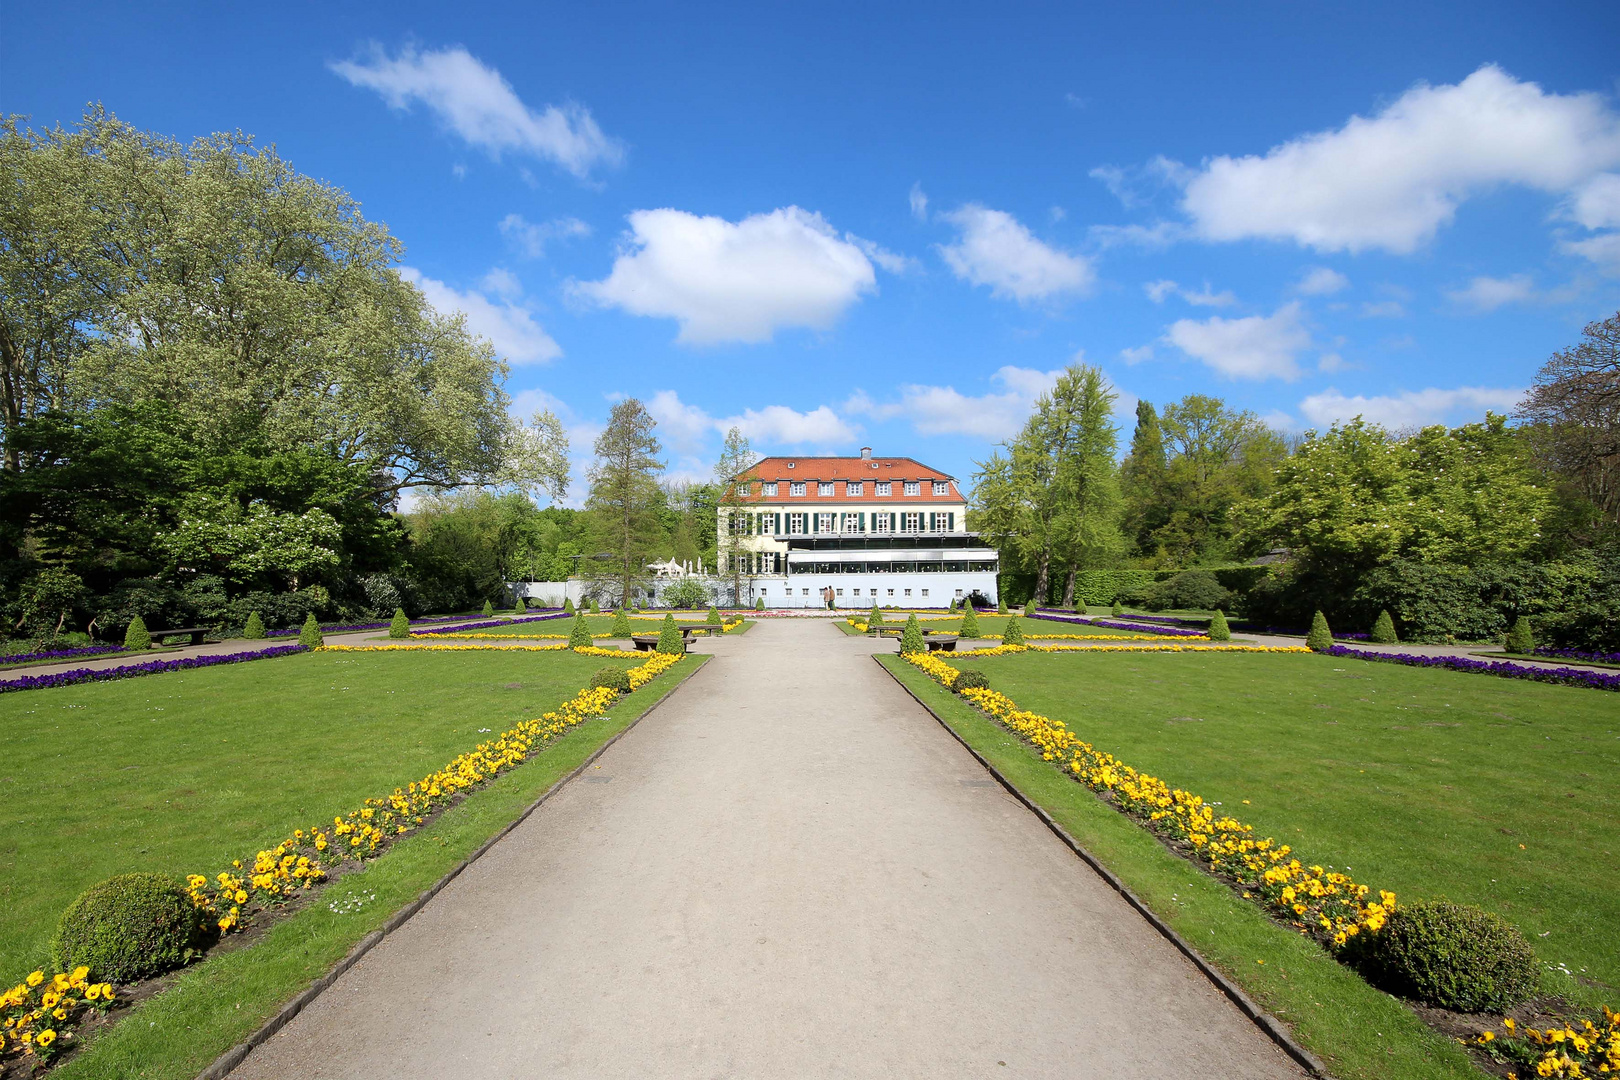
1091	537
1574	415
737	482
625	498
1142	476
1217	457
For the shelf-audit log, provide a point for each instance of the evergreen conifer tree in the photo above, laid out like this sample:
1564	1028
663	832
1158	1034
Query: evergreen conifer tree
310	635
254	630
400	628
874	620
1520	639
520	605
489	609
568	605
1383	631
1117	609
1014	634
1320	639
911	638
669	638
713	615
1001	605
759	603
621	624
1029	608
970	623
579	635
136	636
596	608
1218	630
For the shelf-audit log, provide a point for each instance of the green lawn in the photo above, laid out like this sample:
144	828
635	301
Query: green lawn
184	772
1491	791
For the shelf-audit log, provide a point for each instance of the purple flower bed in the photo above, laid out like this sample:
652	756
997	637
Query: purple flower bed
493	622
337	629
1251	628
1109	624
60	654
149	667
1172	620
1576	654
1566	676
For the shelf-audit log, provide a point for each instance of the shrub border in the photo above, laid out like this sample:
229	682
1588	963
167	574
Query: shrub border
1273	1028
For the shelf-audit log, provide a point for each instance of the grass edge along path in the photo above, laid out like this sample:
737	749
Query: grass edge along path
228	997
1360	1033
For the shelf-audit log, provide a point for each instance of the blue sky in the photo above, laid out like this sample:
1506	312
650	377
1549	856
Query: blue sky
837	227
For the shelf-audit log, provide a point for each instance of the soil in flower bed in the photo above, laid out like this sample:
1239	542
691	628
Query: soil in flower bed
1427	782
184	772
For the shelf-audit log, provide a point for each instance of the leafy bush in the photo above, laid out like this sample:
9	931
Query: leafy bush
621	624
1218	630
687	593
253	629
136	637
1520	639
1014	634
579	634
970	679
1320	637
970	623
1190	589
310	634
612	676
382	593
131	927
489	609
669	638
400	627
1383	631
911	637
1456	956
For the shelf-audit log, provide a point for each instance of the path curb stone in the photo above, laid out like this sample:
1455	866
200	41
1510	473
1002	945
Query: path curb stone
1273	1028
226	1062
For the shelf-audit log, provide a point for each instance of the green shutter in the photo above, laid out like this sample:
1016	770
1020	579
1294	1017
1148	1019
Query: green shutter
951	521
863	521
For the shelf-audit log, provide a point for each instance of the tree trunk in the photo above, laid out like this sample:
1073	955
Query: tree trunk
1043	576
1068	589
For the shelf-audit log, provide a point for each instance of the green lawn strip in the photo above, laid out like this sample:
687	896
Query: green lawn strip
185	771
1357	1031
599	626
219	1002
1488	791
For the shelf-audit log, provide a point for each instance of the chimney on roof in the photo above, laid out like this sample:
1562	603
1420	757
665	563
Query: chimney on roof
866	453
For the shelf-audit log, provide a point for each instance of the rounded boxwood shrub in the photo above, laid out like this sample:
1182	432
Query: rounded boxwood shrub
131	927
253	629
136	637
612	676
1456	956
969	679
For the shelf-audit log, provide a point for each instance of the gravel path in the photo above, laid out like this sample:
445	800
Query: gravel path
789	870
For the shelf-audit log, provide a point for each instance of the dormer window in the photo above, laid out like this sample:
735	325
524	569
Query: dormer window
942	488
824	489
882	488
854	489
770	489
796	488
745	489
913	487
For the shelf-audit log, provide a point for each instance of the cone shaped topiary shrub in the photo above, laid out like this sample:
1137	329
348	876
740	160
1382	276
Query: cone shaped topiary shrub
613	676
1383	631
911	638
131	927
1456	956
713	615
579	634
1520	639
759	603
970	623
874	620
1117	610
136	636
1218	630
520	605
254	628
1029	608
400	627
1001	605
1320	639
489	609
621	624
1014	634
669	638
309	635
568	605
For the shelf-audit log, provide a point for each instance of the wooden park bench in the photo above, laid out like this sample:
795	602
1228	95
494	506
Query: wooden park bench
649	642
712	628
195	633
941	643
896	631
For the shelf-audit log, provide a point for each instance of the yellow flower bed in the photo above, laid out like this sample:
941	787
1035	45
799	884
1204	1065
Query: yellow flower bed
40	1013
1008	650
1587	1050
1313	899
729	627
441	648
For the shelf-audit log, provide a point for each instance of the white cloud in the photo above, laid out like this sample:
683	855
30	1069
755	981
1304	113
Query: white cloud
1158	290
1597	204
502	283
478	104
1257	347
1330	362
1161	234
779	425
919	203
943	410
996	250
1383	309
742	281
1488	293
531	237
509	325
1322	281
1136	355
1410	408
888	260
687	427
1603	250
1392	180
1278	420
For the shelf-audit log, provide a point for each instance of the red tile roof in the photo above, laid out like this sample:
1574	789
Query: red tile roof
810	470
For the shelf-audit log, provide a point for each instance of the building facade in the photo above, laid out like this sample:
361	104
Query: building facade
858	531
